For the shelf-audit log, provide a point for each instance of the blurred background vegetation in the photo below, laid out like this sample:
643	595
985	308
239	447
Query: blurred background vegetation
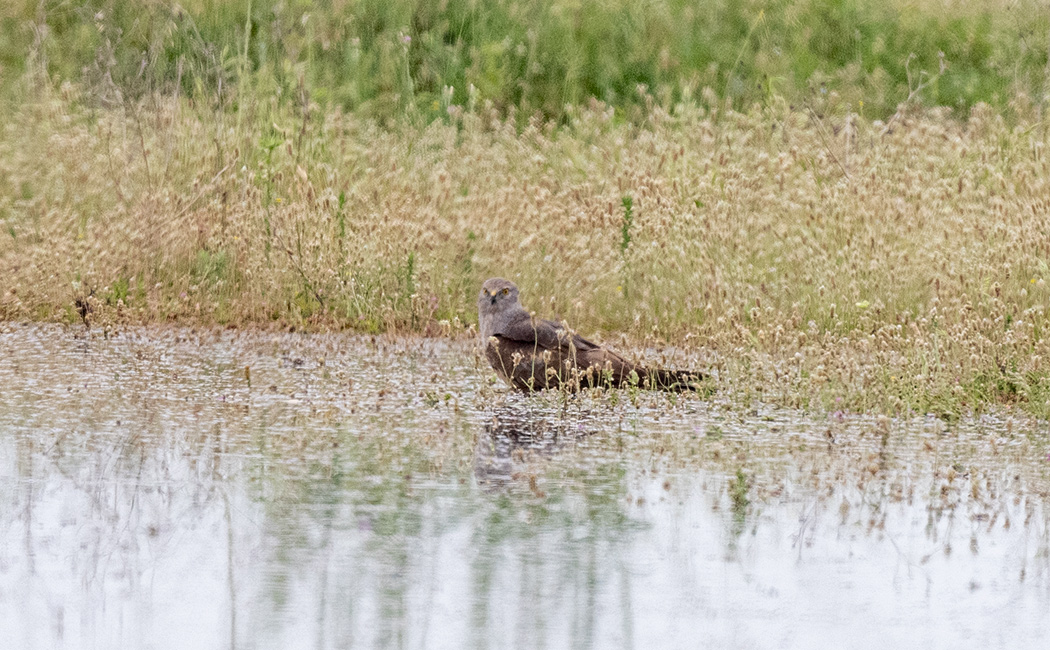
397	58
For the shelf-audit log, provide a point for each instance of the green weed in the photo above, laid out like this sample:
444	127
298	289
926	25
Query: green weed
422	60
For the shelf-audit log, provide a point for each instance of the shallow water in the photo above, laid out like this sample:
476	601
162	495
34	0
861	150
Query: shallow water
175	489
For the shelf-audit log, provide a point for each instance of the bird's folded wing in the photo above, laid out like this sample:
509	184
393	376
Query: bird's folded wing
545	334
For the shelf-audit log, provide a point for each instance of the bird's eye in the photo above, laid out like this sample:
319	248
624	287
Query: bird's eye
505	292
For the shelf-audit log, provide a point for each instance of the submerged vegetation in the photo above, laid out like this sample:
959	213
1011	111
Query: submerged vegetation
804	235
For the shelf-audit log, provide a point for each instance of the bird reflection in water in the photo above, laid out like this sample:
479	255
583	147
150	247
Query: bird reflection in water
513	439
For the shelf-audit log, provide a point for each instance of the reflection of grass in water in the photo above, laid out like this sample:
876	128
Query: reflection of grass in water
545	499
365	499
370	481
739	486
582	514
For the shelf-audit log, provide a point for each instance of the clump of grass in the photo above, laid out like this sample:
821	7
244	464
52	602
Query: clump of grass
625	241
628	219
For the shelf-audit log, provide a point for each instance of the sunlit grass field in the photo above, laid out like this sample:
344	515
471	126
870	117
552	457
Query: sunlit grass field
832	240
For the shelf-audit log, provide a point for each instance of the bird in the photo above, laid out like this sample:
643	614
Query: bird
533	354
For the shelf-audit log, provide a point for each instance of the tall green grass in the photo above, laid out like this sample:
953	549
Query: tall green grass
388	58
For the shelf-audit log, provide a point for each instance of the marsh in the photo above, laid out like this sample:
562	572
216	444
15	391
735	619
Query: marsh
202	488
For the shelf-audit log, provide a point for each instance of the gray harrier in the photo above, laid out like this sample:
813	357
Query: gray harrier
532	354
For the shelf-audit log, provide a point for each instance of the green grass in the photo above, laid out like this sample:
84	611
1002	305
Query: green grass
421	58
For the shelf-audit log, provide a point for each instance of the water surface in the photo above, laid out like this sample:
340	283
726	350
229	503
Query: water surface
167	488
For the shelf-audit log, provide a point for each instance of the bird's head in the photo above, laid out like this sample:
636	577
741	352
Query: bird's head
496	294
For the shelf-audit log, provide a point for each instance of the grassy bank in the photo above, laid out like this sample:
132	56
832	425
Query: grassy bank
837	262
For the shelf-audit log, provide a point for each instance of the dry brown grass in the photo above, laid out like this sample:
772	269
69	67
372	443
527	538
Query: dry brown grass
827	261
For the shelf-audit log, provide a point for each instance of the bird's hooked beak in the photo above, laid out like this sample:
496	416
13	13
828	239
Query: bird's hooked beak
492	296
